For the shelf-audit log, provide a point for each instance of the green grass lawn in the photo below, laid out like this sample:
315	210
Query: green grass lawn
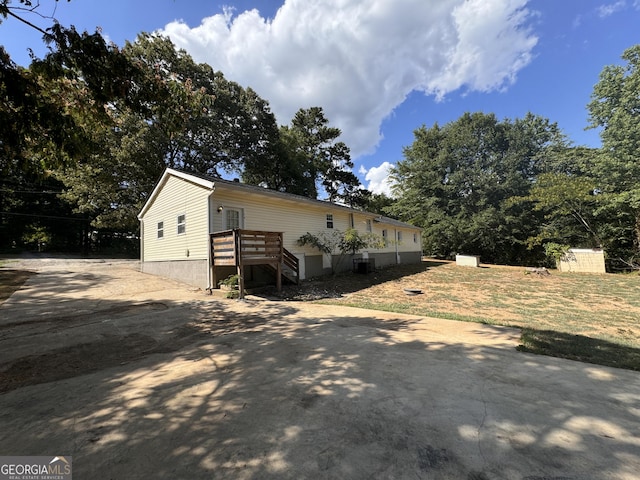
591	318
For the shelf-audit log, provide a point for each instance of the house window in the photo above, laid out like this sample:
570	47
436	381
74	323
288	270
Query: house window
351	221
232	218
369	228
385	237
329	220
399	237
182	224
415	238
160	229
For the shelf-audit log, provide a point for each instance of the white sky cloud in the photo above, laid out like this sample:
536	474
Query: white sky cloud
359	59
378	178
609	9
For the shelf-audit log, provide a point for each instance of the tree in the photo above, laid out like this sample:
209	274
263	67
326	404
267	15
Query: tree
454	181
186	116
615	108
282	168
48	116
378	203
563	196
338	244
565	193
309	156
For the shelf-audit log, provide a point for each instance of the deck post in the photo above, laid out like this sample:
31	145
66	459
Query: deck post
240	281
279	264
212	265
279	276
239	262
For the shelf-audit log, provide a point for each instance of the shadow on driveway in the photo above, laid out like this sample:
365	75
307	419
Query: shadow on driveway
175	384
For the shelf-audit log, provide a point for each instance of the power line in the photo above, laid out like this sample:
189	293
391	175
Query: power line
44	216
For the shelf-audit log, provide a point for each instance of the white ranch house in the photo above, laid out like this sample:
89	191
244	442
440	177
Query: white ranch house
191	224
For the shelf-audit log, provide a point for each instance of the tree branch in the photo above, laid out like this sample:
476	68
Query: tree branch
26	22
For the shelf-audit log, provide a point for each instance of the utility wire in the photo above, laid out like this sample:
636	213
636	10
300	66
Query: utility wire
44	216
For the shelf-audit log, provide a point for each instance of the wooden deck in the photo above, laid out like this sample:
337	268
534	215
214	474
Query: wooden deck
240	248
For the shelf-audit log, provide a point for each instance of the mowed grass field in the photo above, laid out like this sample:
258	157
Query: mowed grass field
591	318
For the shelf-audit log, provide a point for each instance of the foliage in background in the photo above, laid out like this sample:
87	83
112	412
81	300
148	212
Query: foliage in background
455	181
555	252
106	122
339	244
308	158
615	108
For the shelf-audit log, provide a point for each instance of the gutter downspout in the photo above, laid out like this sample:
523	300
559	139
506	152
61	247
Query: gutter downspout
141	244
209	232
395	233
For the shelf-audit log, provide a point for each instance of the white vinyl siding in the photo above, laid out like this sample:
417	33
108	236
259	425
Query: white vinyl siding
258	211
177	197
294	219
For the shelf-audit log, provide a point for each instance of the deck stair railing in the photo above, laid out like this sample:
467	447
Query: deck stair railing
241	248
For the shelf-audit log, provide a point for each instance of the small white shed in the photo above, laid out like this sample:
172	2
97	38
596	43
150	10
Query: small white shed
583	260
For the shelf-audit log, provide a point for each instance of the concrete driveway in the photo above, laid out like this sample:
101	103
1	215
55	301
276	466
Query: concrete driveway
137	377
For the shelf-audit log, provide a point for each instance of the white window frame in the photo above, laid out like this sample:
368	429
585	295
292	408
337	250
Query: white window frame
369	225
415	238
160	230
182	224
226	218
330	222
399	236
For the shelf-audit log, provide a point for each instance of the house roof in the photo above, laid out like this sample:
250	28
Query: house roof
210	183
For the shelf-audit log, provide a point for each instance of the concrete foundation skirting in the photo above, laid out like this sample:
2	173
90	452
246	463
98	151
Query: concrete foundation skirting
468	260
410	257
193	272
314	268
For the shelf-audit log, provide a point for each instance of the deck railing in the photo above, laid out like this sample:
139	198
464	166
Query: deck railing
242	248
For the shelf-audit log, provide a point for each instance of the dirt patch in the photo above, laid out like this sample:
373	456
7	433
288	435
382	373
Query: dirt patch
85	358
12	280
97	315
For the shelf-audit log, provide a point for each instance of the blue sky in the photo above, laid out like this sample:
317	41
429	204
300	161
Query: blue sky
381	68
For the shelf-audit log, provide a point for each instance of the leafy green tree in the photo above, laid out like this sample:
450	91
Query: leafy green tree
566	195
563	197
615	108
455	182
327	160
339	244
185	116
306	156
282	168
48	115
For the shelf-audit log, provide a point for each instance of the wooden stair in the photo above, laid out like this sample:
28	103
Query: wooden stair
241	248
